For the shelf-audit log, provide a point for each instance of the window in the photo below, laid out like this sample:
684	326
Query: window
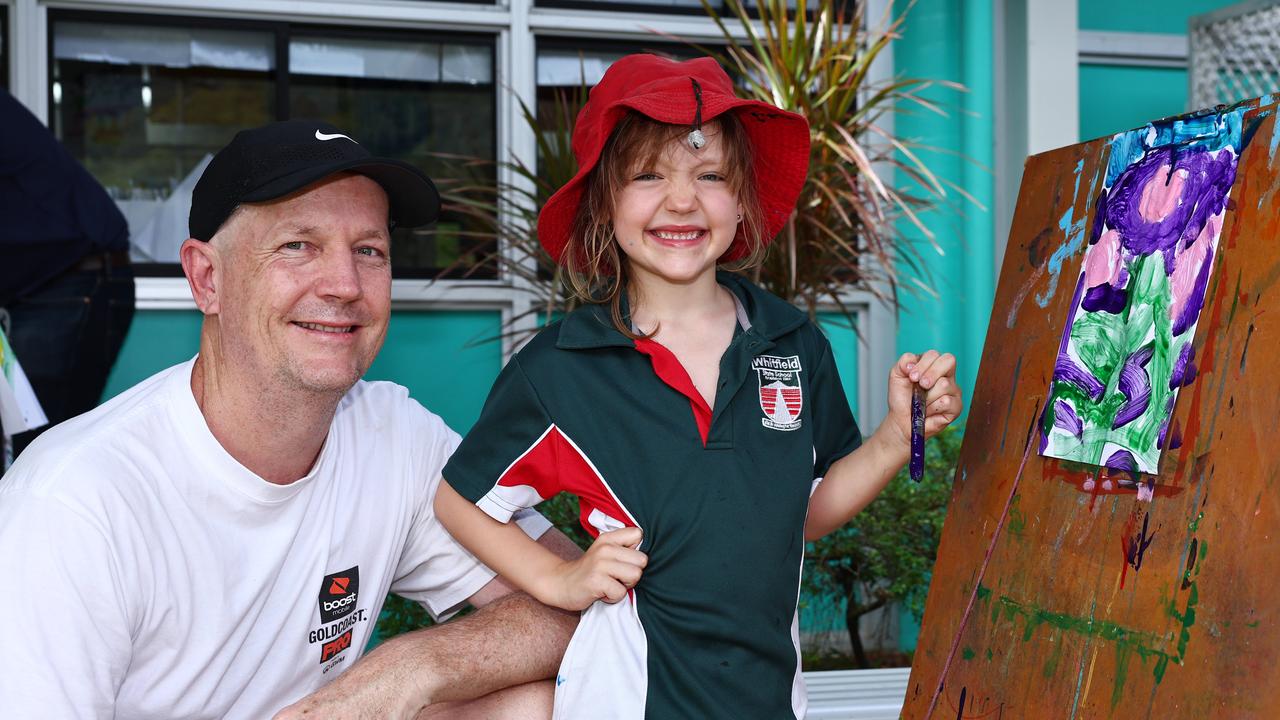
143	102
144	107
566	65
407	99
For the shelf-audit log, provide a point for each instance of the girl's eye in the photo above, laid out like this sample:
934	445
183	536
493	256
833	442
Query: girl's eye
646	176
713	177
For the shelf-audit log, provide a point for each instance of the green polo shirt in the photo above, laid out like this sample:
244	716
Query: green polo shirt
720	492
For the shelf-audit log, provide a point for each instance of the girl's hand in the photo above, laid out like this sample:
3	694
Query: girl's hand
606	572
936	374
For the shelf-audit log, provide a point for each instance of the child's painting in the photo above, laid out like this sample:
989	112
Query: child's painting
1126	348
1110	545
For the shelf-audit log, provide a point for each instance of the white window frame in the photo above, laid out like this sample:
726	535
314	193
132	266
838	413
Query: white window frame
516	25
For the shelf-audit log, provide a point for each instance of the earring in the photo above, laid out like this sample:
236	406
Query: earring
739	217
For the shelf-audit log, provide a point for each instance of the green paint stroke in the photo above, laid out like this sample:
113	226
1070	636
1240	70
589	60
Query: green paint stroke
1128	642
1102	341
1017	519
968	653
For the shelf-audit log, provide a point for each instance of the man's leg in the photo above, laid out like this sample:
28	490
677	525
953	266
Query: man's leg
522	702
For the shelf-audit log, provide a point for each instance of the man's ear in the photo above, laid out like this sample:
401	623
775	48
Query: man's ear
200	265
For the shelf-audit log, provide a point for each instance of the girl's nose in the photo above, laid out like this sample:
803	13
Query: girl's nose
681	197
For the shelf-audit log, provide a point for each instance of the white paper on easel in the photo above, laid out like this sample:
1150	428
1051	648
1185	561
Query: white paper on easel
19	409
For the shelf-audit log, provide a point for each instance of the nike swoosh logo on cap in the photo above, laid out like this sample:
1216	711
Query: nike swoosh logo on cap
323	136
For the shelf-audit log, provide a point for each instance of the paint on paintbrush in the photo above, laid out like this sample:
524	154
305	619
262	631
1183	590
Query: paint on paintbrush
917	433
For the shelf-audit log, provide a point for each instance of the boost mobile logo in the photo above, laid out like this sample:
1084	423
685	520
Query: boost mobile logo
339	594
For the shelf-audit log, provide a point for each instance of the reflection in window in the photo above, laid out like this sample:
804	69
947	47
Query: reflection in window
407	100
143	107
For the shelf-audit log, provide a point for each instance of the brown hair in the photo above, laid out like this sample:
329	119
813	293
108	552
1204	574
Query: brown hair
593	263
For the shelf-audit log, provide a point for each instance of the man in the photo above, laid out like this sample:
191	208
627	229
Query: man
66	285
217	541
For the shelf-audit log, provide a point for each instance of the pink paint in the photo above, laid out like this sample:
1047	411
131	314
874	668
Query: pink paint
1159	199
1102	261
1187	265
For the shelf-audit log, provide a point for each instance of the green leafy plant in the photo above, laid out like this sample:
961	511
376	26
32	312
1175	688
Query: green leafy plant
886	553
508	210
816	60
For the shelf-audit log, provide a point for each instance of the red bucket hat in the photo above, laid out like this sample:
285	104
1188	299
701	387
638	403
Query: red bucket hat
671	92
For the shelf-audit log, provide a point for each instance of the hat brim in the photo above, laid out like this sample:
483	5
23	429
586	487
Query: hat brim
413	198
780	150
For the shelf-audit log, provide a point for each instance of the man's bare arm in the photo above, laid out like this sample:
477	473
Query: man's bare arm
511	639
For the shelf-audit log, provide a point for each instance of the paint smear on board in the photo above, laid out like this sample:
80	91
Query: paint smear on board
1126	348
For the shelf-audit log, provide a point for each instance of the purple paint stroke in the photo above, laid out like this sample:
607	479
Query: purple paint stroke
1184	368
1066	370
1105	298
1203	193
1099	216
1164	424
1071	319
1065	418
1219	177
1122	460
1135	385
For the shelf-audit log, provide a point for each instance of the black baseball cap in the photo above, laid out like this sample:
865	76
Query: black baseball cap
275	160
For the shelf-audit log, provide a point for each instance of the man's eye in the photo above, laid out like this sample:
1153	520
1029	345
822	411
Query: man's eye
370	251
295	245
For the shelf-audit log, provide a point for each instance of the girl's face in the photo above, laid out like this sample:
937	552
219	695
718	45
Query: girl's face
674	219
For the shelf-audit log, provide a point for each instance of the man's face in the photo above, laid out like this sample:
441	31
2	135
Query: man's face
305	289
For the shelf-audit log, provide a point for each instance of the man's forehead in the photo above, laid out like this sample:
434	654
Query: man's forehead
263	223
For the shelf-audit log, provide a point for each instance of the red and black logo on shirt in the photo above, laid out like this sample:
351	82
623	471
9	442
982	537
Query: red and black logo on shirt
339	594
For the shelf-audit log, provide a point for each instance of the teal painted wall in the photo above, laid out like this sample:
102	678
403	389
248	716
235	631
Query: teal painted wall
1115	98
844	346
1154	16
445	358
951	40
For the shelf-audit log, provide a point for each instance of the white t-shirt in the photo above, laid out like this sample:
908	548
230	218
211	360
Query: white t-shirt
144	573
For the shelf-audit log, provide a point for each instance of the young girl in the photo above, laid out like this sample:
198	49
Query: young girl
691	412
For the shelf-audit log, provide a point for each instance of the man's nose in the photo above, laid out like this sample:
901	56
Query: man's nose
339	276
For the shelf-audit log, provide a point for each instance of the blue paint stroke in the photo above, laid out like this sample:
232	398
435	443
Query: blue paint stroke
1074	232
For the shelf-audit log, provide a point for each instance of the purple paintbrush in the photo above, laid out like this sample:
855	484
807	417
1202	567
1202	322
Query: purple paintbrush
917	433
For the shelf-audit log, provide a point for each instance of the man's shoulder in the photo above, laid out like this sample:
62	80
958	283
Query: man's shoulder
81	461
384	406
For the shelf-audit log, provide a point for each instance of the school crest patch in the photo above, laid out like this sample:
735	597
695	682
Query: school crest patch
781	397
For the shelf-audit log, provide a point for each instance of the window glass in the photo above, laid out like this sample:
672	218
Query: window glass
408	100
144	107
144	104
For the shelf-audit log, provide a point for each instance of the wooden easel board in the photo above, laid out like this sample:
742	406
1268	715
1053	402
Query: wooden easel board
1069	590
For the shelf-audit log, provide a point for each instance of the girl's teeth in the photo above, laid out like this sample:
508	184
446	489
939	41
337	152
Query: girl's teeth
678	236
